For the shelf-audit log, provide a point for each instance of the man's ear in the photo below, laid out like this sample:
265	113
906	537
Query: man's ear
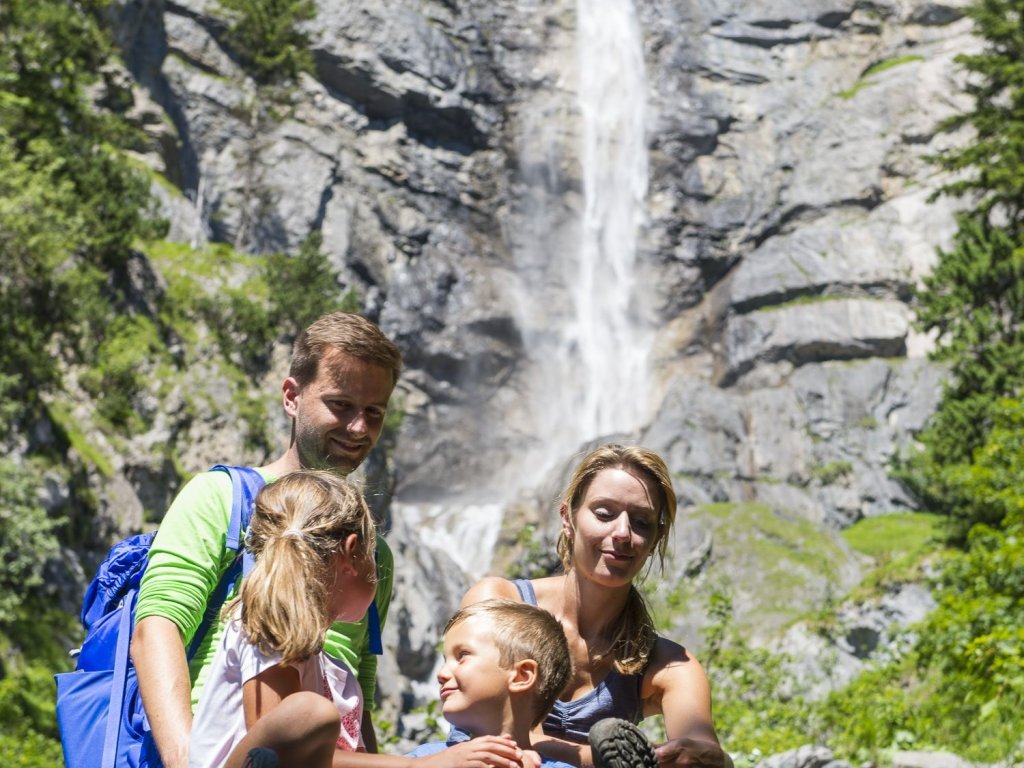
523	676
290	396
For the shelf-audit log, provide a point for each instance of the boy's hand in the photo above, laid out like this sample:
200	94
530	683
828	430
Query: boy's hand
481	752
531	759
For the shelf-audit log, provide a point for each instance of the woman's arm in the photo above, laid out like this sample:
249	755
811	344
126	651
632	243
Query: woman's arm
555	748
481	752
676	687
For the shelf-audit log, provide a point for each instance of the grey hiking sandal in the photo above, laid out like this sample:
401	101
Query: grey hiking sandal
616	743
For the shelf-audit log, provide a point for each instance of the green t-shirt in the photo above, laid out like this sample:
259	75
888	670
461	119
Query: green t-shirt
189	556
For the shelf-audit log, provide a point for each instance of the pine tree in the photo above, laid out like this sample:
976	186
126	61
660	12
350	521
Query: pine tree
974	300
267	36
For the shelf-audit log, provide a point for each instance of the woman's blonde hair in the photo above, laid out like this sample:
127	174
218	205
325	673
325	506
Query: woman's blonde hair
298	524
634	634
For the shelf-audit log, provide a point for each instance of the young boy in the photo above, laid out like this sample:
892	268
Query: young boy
505	664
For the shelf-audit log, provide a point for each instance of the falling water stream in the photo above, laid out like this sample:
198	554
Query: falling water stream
606	330
577	307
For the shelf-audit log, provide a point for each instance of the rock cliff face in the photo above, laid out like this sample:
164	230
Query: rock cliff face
437	148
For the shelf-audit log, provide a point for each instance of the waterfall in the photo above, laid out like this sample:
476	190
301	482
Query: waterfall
577	303
606	331
580	311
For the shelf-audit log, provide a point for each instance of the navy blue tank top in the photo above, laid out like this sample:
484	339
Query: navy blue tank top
617	695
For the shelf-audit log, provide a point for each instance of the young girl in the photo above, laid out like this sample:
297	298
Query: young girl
270	685
273	698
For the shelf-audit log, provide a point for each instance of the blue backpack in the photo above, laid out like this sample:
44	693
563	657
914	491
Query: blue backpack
99	709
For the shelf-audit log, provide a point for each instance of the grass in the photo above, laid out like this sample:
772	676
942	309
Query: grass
814	298
900	534
899	545
833	471
874	69
80	443
781	566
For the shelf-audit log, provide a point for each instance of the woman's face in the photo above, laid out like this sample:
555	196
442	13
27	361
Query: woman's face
615	527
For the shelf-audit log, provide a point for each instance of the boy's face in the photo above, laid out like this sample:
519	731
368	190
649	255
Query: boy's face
474	686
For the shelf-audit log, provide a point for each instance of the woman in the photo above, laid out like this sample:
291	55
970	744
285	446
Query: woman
616	512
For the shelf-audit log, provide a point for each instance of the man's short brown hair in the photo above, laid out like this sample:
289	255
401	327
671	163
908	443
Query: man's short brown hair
349	333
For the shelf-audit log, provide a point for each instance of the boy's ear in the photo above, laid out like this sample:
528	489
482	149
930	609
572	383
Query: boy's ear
523	676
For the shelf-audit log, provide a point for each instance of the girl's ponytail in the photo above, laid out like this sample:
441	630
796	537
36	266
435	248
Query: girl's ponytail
298	526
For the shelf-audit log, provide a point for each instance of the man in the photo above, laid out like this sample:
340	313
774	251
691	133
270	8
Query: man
342	373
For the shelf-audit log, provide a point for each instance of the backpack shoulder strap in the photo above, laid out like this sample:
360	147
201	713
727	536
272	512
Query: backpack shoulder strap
245	484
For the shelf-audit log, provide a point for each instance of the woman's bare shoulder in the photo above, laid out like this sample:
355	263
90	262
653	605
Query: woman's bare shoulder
672	661
489	588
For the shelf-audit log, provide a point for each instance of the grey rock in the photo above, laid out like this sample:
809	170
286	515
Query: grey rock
807	756
926	759
840	329
865	632
436	148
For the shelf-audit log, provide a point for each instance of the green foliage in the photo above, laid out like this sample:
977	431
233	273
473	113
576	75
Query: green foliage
899	536
124	361
896	61
287	293
39	227
875	69
994	159
390	741
28	724
779	557
70	205
49	51
27	539
987	487
303	287
974	300
833	471
29	626
757	710
534	562
267	36
960	686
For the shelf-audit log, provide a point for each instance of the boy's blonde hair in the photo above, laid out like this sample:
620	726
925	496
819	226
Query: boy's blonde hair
298	524
522	631
634	633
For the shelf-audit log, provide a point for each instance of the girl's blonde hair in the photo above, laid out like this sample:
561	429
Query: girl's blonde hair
298	524
633	637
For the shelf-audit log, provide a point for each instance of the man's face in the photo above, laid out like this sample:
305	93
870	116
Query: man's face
339	415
